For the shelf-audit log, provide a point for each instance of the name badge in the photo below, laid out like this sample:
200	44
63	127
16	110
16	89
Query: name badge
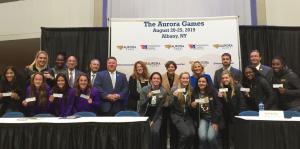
85	96
8	94
277	85
155	92
223	90
202	100
182	90
153	100
30	99
245	89
57	95
271	114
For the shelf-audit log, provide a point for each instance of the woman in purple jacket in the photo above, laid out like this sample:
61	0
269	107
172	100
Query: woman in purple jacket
86	96
62	96
37	95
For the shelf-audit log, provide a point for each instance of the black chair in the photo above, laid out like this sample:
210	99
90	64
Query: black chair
289	114
127	113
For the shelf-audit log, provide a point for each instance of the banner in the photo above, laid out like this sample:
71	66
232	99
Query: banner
156	41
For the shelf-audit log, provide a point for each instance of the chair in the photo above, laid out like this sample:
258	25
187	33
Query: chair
289	114
249	113
127	113
13	114
44	115
85	114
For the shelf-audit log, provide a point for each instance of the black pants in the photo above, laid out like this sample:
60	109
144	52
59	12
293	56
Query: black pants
155	139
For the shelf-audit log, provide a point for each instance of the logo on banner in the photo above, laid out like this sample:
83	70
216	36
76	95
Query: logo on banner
126	47
223	46
149	47
197	46
153	64
175	47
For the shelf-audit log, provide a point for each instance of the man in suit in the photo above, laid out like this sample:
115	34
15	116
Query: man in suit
255	60
72	72
226	62
113	87
94	68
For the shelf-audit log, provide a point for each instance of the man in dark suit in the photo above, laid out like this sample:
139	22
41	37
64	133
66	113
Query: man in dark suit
93	69
113	87
226	61
255	60
72	72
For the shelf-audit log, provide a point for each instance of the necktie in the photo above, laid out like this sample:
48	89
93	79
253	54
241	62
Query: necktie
93	78
71	80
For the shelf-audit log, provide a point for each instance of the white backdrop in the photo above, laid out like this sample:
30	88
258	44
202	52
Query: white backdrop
156	41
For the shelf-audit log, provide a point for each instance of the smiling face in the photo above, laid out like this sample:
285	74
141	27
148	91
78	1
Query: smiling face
277	65
202	83
185	79
197	69
61	82
139	69
255	58
226	61
95	66
111	65
171	69
155	80
38	80
249	74
9	75
226	79
60	61
41	60
71	62
83	82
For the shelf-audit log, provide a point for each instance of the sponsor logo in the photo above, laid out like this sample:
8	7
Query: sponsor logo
222	46
197	46
149	47
175	47
153	64
126	47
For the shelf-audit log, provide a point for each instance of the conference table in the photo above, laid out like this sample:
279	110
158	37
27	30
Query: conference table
252	132
75	133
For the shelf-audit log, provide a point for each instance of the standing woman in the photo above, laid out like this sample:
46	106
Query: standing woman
260	89
207	105
289	93
40	64
138	79
62	96
12	91
37	95
86	96
198	70
232	102
60	65
181	115
152	99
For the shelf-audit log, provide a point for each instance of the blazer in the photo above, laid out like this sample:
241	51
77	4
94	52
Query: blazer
236	74
166	84
77	73
266	71
104	85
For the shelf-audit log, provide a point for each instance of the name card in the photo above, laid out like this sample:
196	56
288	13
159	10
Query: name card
277	85
85	96
268	114
223	90
30	99
182	90
57	95
245	89
202	100
155	92
8	94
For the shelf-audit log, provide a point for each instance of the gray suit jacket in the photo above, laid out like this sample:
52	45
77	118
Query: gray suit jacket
236	74
77	73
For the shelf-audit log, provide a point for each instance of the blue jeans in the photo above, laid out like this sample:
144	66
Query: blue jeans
207	135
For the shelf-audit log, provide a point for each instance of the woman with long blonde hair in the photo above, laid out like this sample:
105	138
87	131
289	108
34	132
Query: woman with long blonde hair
198	70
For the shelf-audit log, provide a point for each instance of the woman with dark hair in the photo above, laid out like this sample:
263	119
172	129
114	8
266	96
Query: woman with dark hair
181	115
208	115
11	91
60	64
259	89
138	79
37	95
233	103
286	85
152	99
62	96
87	98
198	70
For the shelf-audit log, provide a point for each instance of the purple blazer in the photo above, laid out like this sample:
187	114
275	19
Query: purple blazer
82	105
63	107
34	107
